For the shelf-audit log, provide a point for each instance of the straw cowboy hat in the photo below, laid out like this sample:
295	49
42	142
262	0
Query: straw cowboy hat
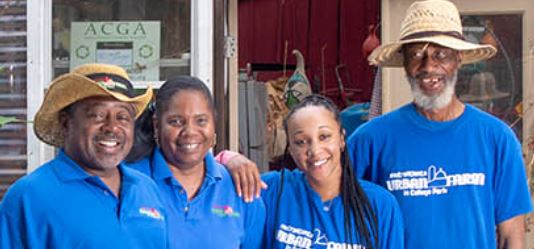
90	80
434	21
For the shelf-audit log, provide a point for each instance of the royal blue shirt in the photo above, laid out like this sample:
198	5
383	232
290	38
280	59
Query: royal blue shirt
454	180
303	220
215	218
60	206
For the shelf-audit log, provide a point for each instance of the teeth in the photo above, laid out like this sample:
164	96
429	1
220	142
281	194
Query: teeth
430	80
320	162
190	146
108	143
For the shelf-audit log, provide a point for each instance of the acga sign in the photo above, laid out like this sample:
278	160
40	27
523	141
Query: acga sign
135	46
99	29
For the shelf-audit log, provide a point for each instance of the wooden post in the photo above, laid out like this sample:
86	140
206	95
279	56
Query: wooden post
219	75
233	78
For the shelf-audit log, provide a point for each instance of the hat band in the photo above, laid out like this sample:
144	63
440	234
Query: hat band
423	34
113	82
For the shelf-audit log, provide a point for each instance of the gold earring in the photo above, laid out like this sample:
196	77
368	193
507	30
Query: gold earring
214	139
156	140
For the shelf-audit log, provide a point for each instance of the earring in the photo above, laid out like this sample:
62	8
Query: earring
156	140
214	139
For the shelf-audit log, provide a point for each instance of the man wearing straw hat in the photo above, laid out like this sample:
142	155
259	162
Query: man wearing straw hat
456	171
85	197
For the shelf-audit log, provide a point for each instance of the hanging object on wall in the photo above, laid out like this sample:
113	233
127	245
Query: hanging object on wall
488	38
483	87
298	85
371	42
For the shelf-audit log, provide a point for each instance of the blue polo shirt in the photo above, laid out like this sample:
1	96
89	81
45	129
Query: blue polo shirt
215	218
61	206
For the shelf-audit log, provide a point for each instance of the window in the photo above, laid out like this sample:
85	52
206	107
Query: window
495	85
124	32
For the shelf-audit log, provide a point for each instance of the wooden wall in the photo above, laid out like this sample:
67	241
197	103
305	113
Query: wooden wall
338	26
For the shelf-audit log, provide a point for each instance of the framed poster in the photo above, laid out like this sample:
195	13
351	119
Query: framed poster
132	45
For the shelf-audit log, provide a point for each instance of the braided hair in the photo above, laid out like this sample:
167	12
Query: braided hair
144	141
356	205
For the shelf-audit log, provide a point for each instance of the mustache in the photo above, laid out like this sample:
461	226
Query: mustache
109	136
426	75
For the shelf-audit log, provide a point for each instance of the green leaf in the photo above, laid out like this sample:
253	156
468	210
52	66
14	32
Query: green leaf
6	120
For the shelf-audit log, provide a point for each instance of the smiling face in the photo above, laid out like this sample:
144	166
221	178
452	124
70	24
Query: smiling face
186	129
315	143
432	72
98	133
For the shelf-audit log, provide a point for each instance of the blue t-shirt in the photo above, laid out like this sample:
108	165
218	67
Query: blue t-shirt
61	206
305	221
215	218
454	180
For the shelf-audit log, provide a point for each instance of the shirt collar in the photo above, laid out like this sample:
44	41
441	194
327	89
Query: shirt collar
212	171
68	170
160	169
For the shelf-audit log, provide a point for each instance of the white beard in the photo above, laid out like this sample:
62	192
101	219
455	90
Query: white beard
433	102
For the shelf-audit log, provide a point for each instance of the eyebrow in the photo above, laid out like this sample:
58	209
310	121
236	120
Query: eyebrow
320	128
198	115
126	106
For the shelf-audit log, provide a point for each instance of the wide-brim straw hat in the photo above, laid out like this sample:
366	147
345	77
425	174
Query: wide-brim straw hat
433	21
90	80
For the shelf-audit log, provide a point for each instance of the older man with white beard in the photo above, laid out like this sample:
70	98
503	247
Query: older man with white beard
456	171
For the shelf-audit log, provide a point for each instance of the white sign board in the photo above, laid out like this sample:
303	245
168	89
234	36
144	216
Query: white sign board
132	45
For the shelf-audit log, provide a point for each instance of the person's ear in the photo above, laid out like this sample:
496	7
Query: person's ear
63	118
155	128
214	139
460	58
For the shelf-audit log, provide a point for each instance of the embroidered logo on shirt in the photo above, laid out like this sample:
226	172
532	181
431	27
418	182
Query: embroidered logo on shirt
433	181
151	212
224	211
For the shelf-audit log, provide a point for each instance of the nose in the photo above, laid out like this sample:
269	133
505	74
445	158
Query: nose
428	63
110	124
312	149
187	128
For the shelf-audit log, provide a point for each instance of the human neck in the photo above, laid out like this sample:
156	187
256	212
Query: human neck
327	189
191	178
113	182
111	177
451	111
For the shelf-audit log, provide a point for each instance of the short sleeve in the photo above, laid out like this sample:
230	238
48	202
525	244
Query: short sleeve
359	149
254	224
510	185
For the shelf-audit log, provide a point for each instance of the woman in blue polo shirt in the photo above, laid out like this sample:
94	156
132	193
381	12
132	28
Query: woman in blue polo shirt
321	204
203	208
